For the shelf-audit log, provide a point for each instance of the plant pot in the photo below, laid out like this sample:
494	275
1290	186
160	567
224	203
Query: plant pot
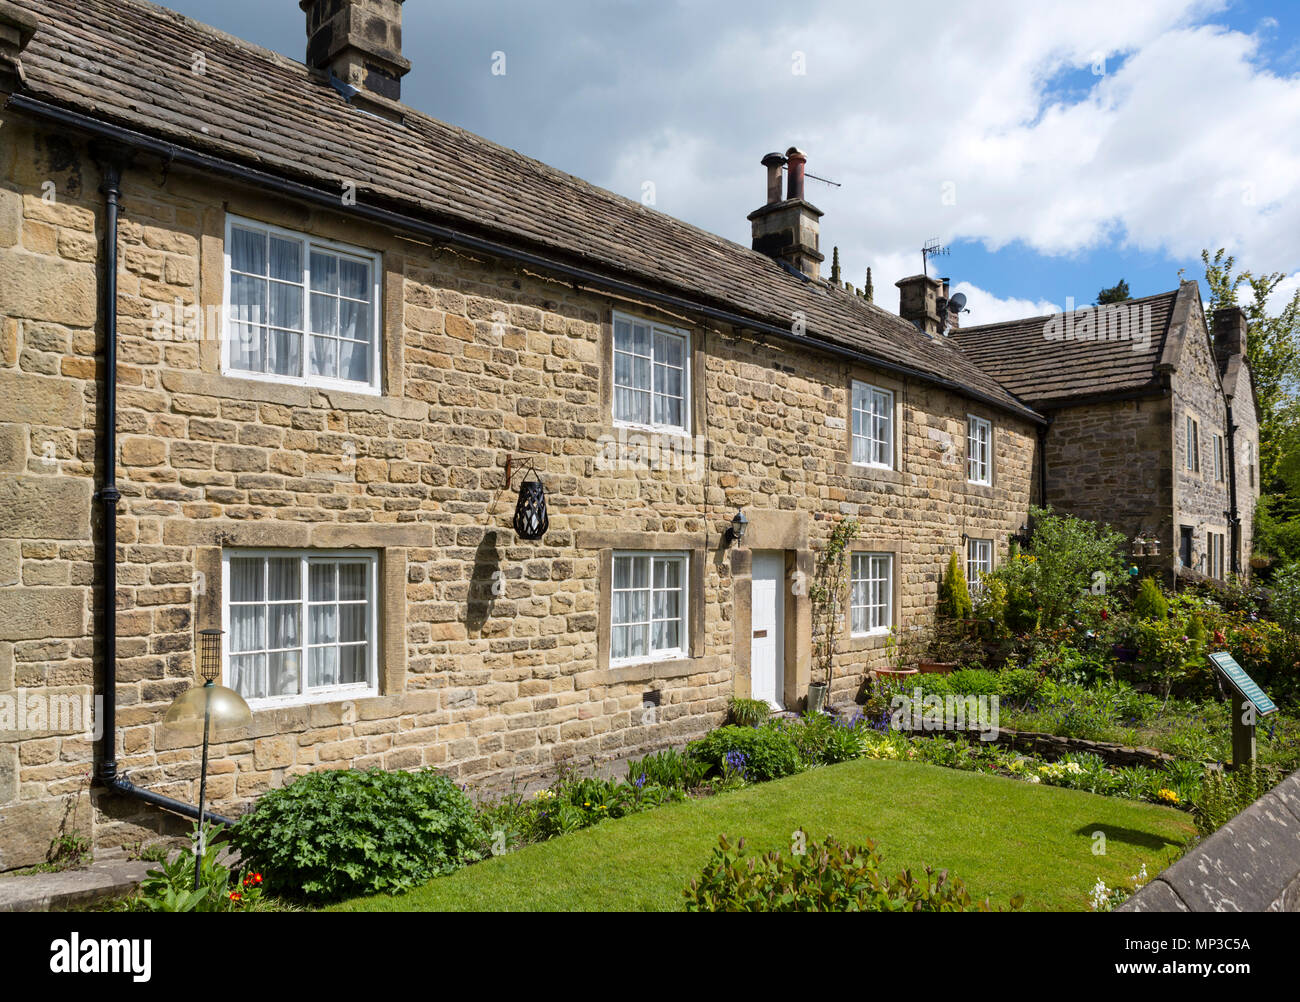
936	667
1123	653
816	697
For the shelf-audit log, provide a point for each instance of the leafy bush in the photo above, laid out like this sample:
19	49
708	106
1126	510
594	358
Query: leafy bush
1020	684
1285	600
749	712
826	877
1224	795
342	833
668	768
170	888
579	802
843	744
1069	556
954	595
1150	601
770	751
975	682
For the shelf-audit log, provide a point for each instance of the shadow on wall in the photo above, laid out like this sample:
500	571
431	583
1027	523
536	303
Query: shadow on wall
484	583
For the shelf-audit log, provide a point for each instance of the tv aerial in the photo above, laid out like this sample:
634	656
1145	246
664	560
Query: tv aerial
931	249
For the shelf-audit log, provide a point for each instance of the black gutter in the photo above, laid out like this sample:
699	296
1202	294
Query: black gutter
111	161
173	154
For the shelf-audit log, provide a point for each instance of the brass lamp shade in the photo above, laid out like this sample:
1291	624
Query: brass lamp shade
227	707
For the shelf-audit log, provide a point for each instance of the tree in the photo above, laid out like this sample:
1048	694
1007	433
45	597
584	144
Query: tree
1273	350
954	596
1117	293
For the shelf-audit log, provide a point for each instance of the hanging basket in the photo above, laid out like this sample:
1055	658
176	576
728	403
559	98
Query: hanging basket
531	520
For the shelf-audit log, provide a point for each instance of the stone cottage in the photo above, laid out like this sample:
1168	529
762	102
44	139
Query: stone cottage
277	350
1151	425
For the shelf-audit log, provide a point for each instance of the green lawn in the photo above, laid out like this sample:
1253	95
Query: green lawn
1001	836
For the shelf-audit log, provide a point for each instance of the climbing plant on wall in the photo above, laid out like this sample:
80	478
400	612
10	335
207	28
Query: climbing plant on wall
829	596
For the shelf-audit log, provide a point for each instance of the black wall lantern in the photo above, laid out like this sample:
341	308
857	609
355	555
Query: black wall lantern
1023	538
531	520
738	526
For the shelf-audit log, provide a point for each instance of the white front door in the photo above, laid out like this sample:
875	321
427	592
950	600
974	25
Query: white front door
767	616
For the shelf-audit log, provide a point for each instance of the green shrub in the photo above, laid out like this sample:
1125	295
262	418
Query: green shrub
825	877
975	682
769	751
1020	684
749	712
1150	603
1284	602
578	802
1224	795
343	833
843	744
669	768
954	595
170	888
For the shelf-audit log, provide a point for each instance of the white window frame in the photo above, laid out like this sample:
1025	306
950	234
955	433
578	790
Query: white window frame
871	561
979	471
655	328
375	386
320	694
1193	445
1217	440
879	402
682	650
979	561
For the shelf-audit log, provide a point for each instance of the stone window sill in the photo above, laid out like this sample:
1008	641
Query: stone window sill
648	671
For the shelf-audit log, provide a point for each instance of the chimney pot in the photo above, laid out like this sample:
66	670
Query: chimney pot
773	162
359	41
795	162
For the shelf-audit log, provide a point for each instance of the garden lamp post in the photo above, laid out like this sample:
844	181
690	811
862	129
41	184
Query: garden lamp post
213	704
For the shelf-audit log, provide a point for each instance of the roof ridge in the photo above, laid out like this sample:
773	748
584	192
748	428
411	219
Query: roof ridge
1171	294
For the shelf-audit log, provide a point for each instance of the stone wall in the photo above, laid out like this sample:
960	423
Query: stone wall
482	360
1200	500
1111	462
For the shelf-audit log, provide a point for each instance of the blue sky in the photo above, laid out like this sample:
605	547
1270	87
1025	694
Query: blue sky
1055	148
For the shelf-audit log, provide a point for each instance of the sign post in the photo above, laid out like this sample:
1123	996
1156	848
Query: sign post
1249	703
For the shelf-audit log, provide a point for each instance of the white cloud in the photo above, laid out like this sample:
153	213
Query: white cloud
1185	142
987	308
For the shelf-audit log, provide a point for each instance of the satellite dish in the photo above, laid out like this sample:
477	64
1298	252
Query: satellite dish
957	303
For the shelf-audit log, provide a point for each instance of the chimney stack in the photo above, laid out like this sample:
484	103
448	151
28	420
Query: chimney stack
17	27
918	302
1229	332
788	229
360	42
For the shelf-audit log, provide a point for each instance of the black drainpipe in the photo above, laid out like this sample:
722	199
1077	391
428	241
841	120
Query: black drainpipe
111	164
1234	519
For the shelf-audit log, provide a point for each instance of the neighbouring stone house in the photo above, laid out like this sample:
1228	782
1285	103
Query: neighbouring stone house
271	343
1151	426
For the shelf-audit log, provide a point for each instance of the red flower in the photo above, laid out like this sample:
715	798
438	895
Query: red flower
1105	614
236	896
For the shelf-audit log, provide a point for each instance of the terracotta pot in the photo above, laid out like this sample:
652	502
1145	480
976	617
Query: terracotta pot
936	667
894	673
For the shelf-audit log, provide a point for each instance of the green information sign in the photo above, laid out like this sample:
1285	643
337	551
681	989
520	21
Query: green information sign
1243	683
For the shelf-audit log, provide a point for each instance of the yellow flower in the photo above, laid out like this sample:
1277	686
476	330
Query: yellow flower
1167	795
